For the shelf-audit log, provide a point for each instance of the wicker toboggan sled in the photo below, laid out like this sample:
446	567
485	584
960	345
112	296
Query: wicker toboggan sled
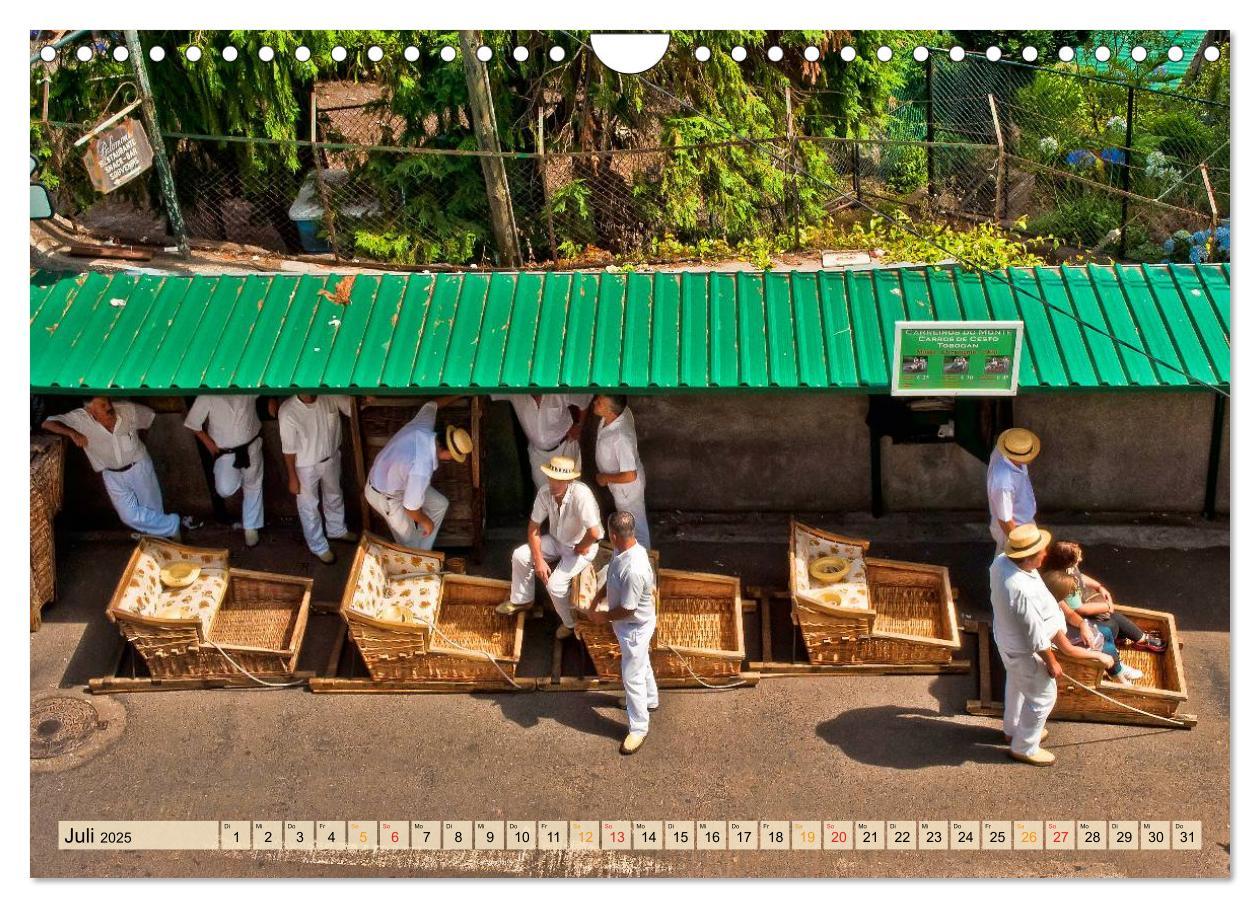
699	632
880	612
228	624
413	622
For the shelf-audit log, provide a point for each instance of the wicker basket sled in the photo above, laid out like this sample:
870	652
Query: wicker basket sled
1160	691
234	621
699	630
413	622
882	613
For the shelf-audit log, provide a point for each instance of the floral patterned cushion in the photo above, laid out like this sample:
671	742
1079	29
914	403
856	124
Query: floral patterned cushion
144	594
369	586
417	593
853	592
395	562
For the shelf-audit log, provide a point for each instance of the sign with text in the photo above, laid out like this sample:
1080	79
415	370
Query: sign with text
956	358
118	155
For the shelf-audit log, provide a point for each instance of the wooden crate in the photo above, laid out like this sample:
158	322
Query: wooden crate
375	423
887	612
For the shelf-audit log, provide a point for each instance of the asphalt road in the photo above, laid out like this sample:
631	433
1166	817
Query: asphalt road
789	748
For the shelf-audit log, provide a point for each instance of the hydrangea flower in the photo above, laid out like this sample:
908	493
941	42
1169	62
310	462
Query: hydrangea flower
1113	155
1117	122
1080	156
1048	145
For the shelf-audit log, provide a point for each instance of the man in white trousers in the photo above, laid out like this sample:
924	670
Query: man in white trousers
552	424
310	438
569	509
1028	626
632	614
110	434
617	460
1010	492
229	428
400	483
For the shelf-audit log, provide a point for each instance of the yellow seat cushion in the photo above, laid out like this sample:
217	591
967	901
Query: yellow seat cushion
853	592
388	580
145	595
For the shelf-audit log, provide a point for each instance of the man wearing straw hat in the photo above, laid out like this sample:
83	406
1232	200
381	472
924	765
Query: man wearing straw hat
400	484
1011	499
569	509
1028	626
632	614
552	424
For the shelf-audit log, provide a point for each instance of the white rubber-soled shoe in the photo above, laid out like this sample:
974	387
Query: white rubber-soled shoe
326	556
632	743
251	538
1039	757
511	608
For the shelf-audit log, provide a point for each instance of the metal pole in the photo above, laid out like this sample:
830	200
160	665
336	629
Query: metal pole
481	110
166	179
1125	179
931	135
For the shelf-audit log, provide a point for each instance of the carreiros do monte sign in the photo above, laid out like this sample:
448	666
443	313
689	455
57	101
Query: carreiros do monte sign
958	358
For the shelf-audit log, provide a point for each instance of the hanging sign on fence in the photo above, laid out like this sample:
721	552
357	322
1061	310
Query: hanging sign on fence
956	358
118	155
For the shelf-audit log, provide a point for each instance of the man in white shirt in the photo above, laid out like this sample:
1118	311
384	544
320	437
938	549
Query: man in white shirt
400	483
552	424
630	589
1010	491
1028	626
310	438
571	513
110	434
229	428
617	460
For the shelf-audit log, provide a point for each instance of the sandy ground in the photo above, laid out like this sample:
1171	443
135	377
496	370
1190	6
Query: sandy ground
789	748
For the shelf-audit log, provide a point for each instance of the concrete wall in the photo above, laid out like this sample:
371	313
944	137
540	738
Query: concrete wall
1138	452
1133	451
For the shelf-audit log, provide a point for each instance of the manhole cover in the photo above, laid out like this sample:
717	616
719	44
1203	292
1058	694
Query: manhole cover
61	725
68	730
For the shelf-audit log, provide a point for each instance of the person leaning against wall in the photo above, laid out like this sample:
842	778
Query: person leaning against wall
111	434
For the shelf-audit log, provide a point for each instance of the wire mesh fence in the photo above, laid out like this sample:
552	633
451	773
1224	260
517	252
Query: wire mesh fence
1100	167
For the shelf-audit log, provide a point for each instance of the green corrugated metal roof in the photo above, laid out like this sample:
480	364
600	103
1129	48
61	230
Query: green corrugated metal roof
140	333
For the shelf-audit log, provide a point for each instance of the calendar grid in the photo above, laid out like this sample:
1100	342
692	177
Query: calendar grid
635	835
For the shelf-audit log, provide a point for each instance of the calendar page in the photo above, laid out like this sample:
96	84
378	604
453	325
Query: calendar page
630	452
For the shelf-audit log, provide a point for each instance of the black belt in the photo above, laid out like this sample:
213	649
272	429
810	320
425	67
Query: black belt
123	469
240	454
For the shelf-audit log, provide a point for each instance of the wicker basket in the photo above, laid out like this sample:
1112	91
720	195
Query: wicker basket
888	613
1161	690
466	640
43	556
48	466
699	630
257	627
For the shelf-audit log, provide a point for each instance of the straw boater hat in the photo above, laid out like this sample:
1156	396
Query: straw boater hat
561	467
459	443
1026	540
179	574
1019	445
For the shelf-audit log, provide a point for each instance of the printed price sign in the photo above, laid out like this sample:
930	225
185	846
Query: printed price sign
956	358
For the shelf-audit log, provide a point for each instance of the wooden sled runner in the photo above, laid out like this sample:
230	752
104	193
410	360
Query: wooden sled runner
868	611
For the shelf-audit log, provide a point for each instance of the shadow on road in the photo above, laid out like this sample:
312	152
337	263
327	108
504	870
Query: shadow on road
591	714
906	738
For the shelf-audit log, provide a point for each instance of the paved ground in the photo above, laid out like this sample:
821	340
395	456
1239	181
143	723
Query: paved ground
798	748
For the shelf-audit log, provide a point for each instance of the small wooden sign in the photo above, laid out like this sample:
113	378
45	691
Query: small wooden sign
118	155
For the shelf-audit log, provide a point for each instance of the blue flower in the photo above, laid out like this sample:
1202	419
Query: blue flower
1197	255
1080	156
1199	236
1113	155
1168	245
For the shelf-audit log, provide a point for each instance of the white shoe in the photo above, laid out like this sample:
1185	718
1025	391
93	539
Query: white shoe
189	522
1129	673
251	538
632	743
326	556
563	632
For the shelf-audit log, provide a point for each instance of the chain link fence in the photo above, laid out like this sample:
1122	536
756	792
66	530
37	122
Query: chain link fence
1103	168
